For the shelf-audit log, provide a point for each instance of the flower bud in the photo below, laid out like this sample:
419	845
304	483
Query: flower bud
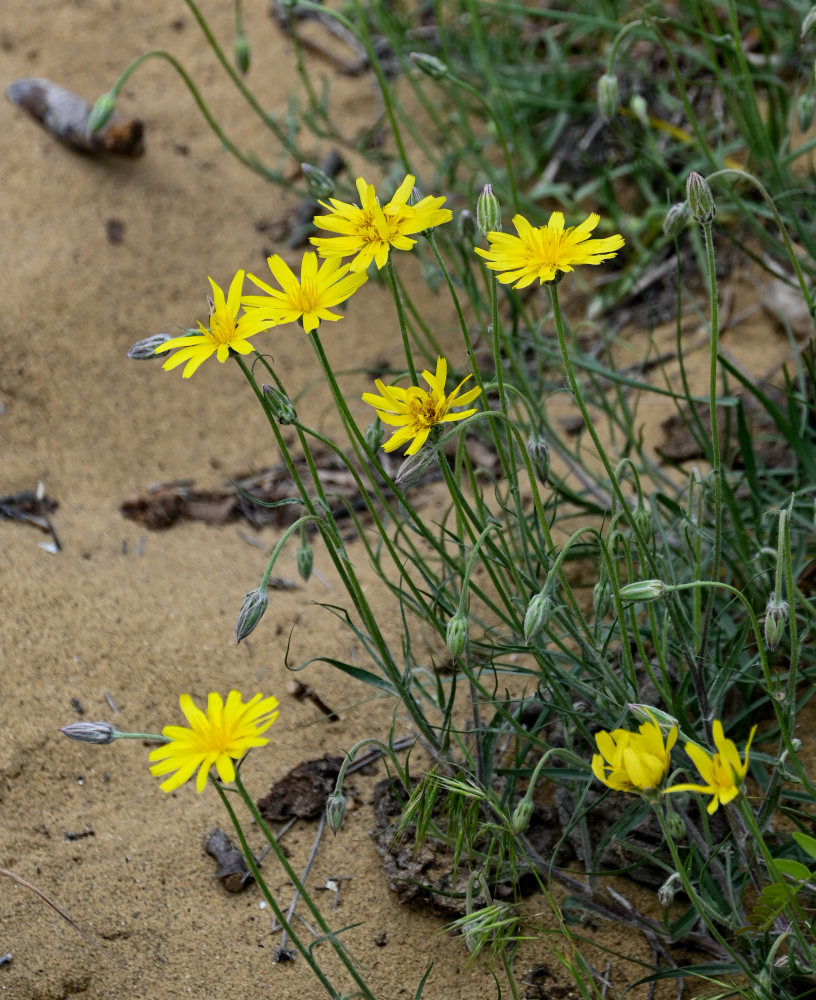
805	108
90	732
677	828
305	560
241	54
488	212
608	96
251	613
374	434
538	611
601	598
539	453
809	21
668	890
429	65
676	218
643	590
103	108
521	815
466	226
319	183
145	350
456	635
280	404
640	109
776	618
335	810
415	466
700	198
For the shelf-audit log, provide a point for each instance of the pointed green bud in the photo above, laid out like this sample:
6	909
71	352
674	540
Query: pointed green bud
640	109
669	889
539	452
319	183
145	350
488	212
538	611
252	611
374	434
305	560
601	598
676	218
521	815
643	590
608	91
456	635
101	112
90	732
700	198
241	54
280	404
776	619
805	109
429	65
335	810
677	828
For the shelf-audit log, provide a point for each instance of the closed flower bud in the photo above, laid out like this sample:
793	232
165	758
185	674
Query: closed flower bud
601	598
538	611
776	618
429	65
103	108
608	96
676	219
668	890
241	53
521	815
280	404
466	226
456	635
415	466
640	109
319	183
251	613
488	212
90	732
539	452
700	198
805	108
335	810
677	828
643	590
374	434
305	560
145	350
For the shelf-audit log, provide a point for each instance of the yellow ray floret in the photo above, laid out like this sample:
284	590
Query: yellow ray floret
722	772
368	231
541	252
415	411
216	738
633	762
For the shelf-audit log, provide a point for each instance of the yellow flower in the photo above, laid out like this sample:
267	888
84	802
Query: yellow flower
723	773
226	332
368	231
544	251
223	734
307	300
632	762
416	411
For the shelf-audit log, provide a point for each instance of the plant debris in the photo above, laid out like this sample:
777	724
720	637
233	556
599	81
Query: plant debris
31	507
303	791
232	868
65	115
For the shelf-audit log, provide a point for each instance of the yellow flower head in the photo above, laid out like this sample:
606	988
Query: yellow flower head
367	231
307	300
216	737
226	332
633	762
723	773
416	411
544	251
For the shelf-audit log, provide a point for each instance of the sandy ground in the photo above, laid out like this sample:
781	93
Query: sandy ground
131	618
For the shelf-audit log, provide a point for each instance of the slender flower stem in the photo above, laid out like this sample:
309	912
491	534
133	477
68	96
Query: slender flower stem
406	343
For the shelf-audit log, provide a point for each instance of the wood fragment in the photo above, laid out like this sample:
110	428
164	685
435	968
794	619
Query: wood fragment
65	115
31	507
232	868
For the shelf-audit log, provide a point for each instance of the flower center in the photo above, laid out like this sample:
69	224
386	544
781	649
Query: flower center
422	408
306	298
222	329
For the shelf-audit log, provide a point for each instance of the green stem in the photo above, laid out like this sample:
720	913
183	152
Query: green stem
406	343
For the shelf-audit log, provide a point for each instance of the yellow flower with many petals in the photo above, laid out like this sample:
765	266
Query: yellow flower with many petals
416	411
216	738
541	252
367	231
633	762
227	332
722	772
308	300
